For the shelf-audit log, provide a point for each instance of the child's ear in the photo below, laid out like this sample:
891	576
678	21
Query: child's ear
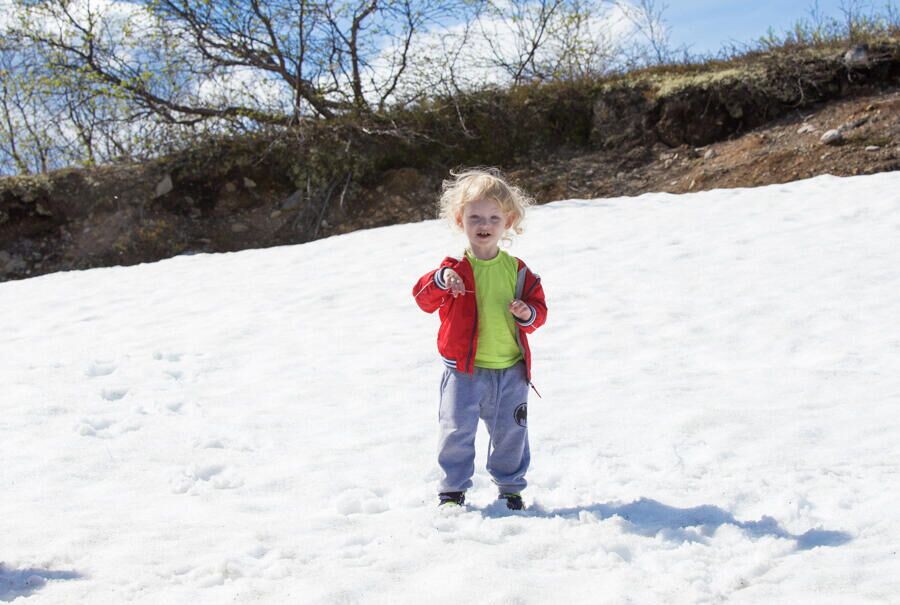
510	219
459	222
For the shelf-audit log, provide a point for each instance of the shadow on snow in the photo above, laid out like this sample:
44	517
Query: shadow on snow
15	583
650	518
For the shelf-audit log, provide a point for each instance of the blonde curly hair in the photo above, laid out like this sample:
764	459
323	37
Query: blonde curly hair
473	184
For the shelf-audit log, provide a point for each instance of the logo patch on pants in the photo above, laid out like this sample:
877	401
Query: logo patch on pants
521	415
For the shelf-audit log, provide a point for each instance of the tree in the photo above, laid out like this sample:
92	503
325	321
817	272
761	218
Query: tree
647	17
131	78
24	143
234	61
545	40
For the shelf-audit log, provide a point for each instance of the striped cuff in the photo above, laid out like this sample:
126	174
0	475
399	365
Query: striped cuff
530	320
439	279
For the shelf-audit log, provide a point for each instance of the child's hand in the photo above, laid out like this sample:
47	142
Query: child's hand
454	282
520	310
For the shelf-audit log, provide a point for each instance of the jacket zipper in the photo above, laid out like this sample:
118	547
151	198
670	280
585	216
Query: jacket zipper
469	360
537	280
471	357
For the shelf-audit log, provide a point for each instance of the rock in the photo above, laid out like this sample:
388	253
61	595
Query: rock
710	154
293	201
806	128
249	183
239	228
832	137
735	110
164	186
41	210
275	214
230	187
854	124
873	148
858	56
15	264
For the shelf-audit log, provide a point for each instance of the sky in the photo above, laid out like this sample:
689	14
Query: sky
706	26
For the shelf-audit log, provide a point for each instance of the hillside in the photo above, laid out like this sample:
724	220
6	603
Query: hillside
752	121
718	421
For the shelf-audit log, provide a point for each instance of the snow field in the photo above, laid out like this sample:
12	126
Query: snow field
719	420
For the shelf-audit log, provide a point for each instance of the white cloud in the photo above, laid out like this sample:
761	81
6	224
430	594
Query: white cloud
474	57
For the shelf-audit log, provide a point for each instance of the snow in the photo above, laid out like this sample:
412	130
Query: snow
719	417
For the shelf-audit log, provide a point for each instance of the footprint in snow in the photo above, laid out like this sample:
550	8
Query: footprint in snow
93	427
359	500
100	368
114	394
175	373
216	476
104	428
175	407
223	443
255	562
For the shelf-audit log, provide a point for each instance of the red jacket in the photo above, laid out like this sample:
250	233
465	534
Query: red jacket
458	334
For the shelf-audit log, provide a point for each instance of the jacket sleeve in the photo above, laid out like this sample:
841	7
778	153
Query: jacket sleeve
430	291
533	296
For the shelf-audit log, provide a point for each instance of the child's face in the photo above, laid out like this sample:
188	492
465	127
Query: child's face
484	224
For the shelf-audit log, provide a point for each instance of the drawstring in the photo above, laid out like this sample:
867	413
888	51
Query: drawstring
531	384
494	424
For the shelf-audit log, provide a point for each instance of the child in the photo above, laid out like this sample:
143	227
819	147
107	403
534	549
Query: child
488	301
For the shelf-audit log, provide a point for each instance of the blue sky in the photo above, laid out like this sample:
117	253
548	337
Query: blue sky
708	25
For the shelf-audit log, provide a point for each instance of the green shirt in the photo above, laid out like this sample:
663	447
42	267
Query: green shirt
495	288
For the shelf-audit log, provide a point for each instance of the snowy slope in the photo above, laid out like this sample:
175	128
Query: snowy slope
720	418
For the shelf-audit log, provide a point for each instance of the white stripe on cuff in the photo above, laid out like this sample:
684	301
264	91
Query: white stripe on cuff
530	320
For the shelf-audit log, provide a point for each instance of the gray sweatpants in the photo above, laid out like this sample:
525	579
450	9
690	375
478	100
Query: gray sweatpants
499	397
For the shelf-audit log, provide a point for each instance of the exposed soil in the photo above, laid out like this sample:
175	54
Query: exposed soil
126	214
785	150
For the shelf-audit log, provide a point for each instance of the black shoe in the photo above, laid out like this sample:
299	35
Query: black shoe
513	501
452	498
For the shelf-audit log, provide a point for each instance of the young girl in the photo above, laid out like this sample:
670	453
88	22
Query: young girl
489	302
